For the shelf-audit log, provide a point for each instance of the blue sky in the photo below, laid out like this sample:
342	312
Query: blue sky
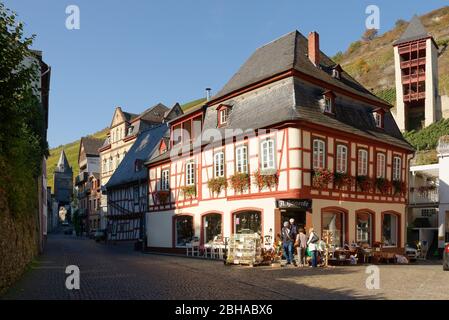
138	53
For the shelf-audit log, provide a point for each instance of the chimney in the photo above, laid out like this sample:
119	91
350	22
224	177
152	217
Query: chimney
314	48
208	93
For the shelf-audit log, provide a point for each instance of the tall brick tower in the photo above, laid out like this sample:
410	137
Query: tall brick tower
63	179
416	72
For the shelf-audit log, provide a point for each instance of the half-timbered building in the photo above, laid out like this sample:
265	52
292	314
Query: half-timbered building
291	135
127	189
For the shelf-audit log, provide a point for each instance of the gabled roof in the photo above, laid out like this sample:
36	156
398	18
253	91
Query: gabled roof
414	31
286	53
63	163
129	116
154	113
142	149
91	145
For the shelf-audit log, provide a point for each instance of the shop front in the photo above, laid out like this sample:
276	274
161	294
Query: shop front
298	209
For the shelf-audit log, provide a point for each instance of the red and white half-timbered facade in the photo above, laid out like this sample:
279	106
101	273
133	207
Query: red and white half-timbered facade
280	141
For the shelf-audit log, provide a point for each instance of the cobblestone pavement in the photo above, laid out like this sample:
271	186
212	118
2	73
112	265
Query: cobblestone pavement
118	272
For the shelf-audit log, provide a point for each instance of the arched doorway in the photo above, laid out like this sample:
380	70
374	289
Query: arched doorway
211	226
247	221
183	230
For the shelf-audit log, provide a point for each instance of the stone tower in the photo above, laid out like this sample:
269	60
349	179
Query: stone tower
63	179
416	77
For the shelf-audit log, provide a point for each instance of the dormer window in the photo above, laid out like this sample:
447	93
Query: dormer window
223	115
379	118
329	100
336	71
138	165
130	130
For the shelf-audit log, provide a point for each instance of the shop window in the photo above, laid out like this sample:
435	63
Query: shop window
342	159
267	147
211	227
396	169
362	163
183	230
219	164
241	159
334	222
247	222
380	165
364	225
390	226
319	154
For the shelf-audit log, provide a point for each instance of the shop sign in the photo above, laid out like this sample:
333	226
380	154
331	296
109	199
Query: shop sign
295	204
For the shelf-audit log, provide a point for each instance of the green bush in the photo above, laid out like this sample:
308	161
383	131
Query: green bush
427	138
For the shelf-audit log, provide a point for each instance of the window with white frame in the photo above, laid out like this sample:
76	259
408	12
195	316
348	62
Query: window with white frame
267	147
164	180
342	158
241	159
224	115
219	164
378	119
362	165
328	107
380	165
190	173
396	168
318	153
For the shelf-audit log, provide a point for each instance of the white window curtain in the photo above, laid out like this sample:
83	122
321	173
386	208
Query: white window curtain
219	164
396	168
362	166
242	159
318	154
268	154
380	165
342	159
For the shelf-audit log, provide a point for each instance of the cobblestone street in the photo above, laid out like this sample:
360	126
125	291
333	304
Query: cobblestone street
118	272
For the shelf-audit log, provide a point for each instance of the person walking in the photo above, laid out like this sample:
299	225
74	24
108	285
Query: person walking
287	242
312	243
301	245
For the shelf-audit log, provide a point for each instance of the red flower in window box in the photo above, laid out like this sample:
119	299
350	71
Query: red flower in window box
321	178
266	179
162	196
364	183
240	182
342	181
383	185
399	188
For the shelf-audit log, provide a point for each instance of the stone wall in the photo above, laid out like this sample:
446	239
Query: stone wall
18	243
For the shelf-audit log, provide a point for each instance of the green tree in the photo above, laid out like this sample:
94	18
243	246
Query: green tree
22	123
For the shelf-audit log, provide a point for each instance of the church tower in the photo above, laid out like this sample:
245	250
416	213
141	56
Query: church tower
63	179
416	77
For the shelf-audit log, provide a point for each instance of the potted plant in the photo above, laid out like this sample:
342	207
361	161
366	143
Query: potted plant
364	183
383	185
240	181
321	178
162	196
216	185
265	179
342	180
399	187
188	191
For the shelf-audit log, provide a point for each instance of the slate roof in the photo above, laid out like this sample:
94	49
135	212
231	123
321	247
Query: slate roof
285	53
129	116
144	146
63	164
293	99
91	145
415	30
155	113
